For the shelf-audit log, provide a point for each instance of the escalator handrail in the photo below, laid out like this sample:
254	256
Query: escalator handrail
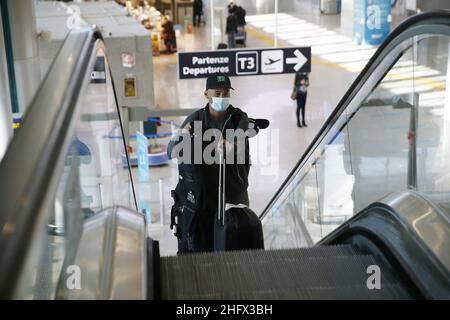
28	168
402	229
441	17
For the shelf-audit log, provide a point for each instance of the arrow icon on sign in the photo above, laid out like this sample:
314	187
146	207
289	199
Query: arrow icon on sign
299	61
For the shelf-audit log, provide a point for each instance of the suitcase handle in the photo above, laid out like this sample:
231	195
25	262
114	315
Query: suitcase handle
221	202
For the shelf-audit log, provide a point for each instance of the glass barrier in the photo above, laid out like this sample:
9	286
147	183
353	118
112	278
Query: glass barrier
432	125
96	176
391	137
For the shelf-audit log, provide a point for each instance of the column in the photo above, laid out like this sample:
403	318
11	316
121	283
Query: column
22	19
6	130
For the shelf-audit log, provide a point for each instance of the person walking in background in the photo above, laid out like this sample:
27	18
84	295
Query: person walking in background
232	29
168	35
198	9
240	37
239	11
301	84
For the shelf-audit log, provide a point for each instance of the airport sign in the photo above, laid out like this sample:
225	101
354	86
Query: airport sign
244	62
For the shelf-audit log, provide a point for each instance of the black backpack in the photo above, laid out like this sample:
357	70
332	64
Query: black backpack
188	204
191	219
187	209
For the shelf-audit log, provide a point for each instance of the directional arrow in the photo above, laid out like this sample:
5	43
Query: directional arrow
299	61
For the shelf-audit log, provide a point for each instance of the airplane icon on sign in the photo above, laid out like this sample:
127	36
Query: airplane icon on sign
271	61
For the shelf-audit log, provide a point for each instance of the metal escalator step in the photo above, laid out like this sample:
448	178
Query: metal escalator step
240	256
319	272
310	272
389	291
44	287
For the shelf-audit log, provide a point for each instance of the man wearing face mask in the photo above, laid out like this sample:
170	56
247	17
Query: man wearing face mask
218	114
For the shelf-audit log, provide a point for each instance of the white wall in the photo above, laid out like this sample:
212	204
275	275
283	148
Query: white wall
25	49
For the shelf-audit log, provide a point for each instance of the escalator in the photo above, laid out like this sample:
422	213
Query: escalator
324	272
363	215
377	241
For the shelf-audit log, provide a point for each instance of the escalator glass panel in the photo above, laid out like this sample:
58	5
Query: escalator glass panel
391	137
95	176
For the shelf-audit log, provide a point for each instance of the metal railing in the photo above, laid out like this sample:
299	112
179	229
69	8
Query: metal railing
34	161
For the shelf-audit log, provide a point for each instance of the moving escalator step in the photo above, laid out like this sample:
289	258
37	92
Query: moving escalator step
328	272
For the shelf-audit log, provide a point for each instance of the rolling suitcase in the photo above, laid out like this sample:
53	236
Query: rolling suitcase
236	227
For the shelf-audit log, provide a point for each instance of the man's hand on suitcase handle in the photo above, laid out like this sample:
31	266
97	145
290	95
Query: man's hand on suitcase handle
228	146
187	129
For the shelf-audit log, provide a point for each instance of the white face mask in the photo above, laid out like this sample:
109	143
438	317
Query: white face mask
220	104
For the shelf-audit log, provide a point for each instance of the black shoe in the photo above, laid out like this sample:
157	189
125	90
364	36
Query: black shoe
299	125
304	124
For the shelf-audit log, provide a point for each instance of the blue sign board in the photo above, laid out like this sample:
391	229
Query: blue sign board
372	21
144	174
142	155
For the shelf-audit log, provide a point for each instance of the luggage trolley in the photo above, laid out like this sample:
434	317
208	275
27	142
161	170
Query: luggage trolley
241	37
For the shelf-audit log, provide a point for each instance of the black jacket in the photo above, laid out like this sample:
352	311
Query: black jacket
198	6
168	31
239	12
232	23
298	78
240	15
236	179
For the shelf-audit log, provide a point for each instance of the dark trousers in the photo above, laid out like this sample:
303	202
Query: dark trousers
231	40
171	45
197	18
301	105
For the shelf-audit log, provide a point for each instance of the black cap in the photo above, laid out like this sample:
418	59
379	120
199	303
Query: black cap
218	80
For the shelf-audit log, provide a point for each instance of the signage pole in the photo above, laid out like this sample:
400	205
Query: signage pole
275	35
161	201
212	25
